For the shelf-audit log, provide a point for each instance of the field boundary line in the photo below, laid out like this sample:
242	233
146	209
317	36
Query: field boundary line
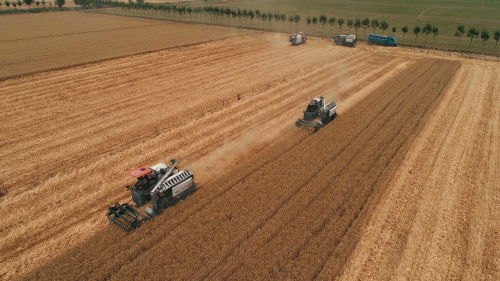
73	33
112	58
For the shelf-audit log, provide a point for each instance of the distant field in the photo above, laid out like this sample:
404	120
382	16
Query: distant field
445	15
36	42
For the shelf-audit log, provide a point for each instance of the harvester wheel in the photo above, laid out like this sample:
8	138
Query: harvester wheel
150	212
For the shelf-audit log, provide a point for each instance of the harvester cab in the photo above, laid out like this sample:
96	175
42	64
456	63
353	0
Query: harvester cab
161	186
317	115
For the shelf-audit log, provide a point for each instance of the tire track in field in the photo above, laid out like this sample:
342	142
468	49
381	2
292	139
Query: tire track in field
287	207
437	193
300	200
276	88
213	219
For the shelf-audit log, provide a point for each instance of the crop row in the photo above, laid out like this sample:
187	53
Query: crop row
74	146
301	201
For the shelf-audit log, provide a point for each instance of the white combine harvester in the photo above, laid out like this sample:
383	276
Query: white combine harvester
161	186
317	115
297	39
347	40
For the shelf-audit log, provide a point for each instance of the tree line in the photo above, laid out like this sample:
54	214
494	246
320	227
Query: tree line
247	14
18	3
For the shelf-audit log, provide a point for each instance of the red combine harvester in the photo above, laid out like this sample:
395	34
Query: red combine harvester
161	186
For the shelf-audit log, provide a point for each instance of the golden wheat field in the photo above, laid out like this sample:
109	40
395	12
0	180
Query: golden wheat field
403	184
32	43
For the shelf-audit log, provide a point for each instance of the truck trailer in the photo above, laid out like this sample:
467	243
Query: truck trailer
382	40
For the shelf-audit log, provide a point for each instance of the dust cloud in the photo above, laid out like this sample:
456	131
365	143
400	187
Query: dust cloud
231	152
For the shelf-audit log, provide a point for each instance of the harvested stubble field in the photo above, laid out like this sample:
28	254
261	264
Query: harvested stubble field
402	184
62	39
72	135
296	211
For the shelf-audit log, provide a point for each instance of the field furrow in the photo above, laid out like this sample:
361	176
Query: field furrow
73	147
436	218
217	221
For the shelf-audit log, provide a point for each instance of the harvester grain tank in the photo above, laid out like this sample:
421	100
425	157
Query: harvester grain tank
160	186
317	115
297	39
347	40
382	40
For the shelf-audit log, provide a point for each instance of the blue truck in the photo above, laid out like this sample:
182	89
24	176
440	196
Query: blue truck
382	40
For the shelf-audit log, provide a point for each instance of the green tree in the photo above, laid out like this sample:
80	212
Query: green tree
257	14
484	36
7	3
427	30
234	14
496	36
308	21
222	11
384	25
19	3
14	5
291	19
245	14
37	3
60	3
270	17
277	19
349	24
365	23
340	22
228	14
28	2
264	18
216	12
375	24
240	14
435	32
404	29
283	19
296	18
460	31
314	21
416	30
322	20
251	15
393	31
473	33
43	3
357	25
189	10
331	22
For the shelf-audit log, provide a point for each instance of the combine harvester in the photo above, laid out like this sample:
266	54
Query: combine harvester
346	40
297	39
161	186
317	115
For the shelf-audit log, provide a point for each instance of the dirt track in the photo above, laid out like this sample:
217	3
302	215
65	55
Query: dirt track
72	135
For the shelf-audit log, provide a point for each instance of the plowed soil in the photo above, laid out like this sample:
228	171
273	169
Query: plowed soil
70	136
